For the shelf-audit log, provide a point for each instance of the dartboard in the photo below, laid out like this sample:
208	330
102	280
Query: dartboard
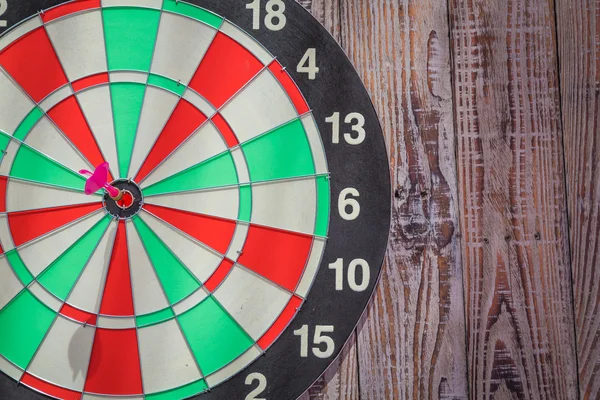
256	203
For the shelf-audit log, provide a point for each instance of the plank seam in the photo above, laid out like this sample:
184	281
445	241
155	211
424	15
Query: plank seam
566	190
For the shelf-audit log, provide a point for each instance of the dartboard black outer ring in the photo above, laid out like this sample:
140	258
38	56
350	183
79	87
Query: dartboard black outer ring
337	88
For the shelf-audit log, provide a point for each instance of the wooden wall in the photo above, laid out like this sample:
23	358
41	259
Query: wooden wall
491	111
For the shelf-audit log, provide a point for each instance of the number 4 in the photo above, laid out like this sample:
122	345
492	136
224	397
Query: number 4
308	64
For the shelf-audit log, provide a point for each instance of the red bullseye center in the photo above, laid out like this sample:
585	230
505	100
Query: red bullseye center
126	201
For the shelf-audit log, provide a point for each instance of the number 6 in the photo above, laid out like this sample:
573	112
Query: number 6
344	202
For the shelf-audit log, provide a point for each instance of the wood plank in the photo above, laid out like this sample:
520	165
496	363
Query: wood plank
579	50
340	381
412	342
521	341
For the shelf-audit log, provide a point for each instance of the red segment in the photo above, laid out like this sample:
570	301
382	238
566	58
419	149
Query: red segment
226	67
90	81
118	298
290	87
78	315
28	225
279	256
217	277
212	231
69	8
186	119
126	201
281	323
3	183
225	130
49	389
69	118
32	62
115	363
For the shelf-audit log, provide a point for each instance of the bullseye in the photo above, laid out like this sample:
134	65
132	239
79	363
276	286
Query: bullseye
128	204
126	200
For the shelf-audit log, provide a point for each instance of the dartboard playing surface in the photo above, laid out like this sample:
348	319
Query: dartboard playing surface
258	200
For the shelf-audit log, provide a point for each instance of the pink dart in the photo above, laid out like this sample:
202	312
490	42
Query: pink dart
98	180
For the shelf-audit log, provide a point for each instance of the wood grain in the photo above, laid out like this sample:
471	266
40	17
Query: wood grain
521	342
411	344
579	49
340	381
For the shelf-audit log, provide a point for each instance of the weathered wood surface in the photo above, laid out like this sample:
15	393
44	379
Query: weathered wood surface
411	344
505	230
520	332
579	49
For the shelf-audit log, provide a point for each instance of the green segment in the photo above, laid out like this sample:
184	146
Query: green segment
177	281
282	153
167	84
4	141
245	203
19	267
323	206
215	338
215	172
154	318
193	12
62	274
25	322
183	392
28	123
130	34
127	99
33	166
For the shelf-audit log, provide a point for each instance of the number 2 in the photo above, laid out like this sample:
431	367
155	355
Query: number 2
275	19
3	8
262	385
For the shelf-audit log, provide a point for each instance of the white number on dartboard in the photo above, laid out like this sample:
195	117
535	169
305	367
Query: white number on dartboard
3	8
348	207
357	122
275	19
308	64
338	266
262	385
318	340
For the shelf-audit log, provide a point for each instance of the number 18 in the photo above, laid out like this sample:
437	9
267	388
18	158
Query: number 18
275	19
